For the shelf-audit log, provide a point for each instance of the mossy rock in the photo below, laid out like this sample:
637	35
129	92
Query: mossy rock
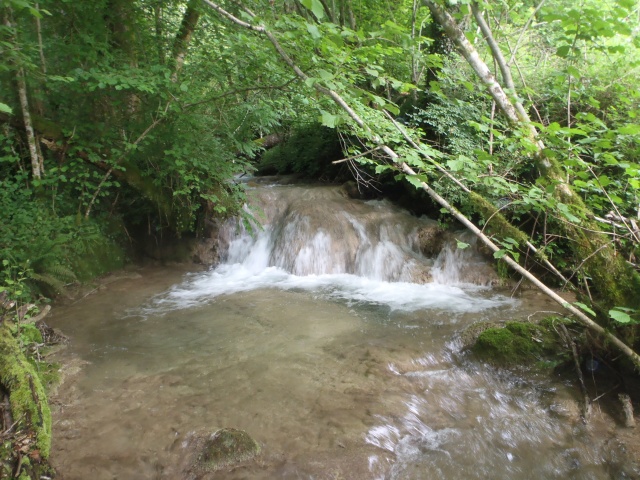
226	448
518	343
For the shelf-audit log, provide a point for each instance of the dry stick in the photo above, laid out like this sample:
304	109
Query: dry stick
357	156
45	311
524	29
586	406
582	317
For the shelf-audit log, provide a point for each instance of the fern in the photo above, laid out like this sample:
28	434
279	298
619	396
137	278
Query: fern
49	282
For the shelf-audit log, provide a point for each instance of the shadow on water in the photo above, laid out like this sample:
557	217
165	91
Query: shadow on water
336	372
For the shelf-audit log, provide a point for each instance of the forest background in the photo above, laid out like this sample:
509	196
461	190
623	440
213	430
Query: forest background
128	121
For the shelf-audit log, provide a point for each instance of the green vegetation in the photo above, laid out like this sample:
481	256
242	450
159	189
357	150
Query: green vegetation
125	123
520	343
308	150
27	395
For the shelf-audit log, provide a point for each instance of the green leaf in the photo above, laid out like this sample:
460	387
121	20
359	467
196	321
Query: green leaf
630	129
585	308
414	180
499	254
313	31
5	108
619	316
316	8
328	119
573	71
461	245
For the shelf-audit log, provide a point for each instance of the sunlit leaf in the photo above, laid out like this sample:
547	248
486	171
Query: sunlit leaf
620	317
316	8
461	245
585	308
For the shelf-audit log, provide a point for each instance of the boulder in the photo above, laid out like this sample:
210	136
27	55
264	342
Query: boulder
226	448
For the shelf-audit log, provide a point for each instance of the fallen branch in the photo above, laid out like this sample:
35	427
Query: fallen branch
45	311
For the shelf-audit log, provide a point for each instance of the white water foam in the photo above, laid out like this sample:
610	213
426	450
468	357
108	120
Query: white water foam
402	296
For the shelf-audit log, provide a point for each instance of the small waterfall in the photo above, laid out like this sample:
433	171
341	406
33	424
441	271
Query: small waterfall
318	231
455	265
315	238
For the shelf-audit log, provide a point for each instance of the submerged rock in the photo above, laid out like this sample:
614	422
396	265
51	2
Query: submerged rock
431	239
223	449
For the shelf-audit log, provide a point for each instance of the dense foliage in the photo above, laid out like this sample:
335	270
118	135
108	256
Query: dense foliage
121	119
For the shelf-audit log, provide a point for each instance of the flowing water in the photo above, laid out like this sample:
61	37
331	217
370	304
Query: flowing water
330	339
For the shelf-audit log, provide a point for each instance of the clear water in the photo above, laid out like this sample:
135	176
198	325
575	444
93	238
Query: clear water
337	374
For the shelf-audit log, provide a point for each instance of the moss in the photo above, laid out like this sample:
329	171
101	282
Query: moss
29	333
225	448
614	281
517	343
27	395
496	222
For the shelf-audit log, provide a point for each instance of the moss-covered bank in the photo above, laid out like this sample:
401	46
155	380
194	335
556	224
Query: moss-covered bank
29	410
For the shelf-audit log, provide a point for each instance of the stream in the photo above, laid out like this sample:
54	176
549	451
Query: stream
331	338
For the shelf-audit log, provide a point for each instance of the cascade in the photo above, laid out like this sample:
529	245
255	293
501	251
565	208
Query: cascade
317	230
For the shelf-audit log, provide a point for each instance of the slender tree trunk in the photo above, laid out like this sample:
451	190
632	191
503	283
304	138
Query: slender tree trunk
157	15
26	115
36	162
352	17
181	43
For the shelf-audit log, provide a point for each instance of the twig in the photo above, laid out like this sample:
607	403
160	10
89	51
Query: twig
605	393
8	430
586	406
357	156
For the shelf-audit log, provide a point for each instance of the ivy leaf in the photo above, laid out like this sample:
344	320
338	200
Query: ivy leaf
499	254
316	8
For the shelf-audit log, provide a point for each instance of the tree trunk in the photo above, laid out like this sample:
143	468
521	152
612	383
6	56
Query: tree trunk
26	116
36	162
181	43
